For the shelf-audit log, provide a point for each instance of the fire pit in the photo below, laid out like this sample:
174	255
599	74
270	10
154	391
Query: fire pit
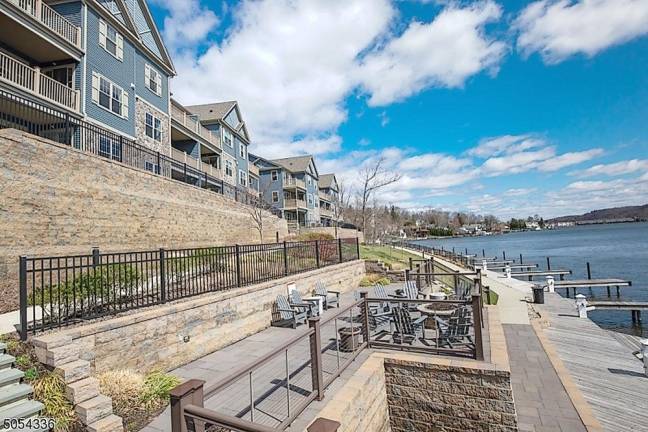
435	309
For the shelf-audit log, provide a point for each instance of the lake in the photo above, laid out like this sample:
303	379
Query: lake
613	251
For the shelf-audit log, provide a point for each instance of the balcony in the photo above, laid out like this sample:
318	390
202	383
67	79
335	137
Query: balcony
291	182
192	124
191	162
31	80
30	27
327	213
292	203
326	197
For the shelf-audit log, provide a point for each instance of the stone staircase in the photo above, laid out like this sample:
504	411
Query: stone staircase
15	395
82	390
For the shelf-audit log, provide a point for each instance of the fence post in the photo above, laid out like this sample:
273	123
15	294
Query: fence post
411	267
159	167
163	298
365	316
340	248
238	266
285	250
96	260
187	393
358	247
407	274
23	297
477	324
548	264
317	253
316	357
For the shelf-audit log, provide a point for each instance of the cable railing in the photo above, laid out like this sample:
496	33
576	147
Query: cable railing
59	291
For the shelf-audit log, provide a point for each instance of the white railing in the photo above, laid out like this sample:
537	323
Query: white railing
191	122
51	19
192	162
294	203
294	182
32	80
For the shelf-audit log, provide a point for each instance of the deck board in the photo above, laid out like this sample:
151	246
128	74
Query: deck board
609	376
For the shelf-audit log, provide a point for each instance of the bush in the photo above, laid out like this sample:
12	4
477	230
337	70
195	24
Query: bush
50	390
312	236
373	279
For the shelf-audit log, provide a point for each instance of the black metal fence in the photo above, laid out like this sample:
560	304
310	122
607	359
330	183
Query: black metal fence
62	290
38	119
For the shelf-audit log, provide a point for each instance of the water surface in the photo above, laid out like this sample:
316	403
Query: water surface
613	251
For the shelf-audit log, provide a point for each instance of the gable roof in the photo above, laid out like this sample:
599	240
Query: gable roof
297	163
124	16
262	163
327	181
212	111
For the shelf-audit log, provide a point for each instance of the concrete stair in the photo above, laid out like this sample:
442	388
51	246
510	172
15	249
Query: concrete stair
15	395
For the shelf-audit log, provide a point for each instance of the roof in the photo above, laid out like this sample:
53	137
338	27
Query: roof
326	181
212	111
294	164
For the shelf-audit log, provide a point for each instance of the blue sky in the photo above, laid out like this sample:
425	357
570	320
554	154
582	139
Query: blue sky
509	107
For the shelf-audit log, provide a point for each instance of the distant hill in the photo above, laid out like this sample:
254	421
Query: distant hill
615	213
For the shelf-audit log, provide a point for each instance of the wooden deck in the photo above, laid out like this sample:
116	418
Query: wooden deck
618	305
605	370
542	273
586	283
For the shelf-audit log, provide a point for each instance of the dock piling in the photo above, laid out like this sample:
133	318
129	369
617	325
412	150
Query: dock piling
548	264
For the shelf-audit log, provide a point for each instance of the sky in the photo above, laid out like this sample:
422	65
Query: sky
507	107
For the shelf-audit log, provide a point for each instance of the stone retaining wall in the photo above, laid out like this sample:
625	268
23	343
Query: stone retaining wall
60	201
170	335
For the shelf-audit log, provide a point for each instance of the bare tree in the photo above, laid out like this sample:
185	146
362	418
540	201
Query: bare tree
340	204
372	179
260	212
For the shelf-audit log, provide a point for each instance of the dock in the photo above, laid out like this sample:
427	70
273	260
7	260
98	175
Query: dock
514	266
634	307
532	274
593	283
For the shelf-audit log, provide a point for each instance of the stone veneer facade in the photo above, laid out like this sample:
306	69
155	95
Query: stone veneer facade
164	145
56	200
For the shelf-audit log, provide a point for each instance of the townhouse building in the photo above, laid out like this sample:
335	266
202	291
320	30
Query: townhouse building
329	199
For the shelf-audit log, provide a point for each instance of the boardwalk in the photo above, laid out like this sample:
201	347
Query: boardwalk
610	378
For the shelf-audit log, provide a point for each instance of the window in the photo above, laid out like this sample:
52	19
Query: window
274	175
227	138
153	80
109	148
110	40
242	178
229	168
242	149
109	96
310	199
275	196
153	127
150	166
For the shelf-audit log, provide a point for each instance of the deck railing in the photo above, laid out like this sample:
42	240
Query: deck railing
34	81
51	19
192	123
294	182
292	203
70	289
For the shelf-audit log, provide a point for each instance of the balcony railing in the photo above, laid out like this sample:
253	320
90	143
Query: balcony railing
50	19
326	196
326	212
192	162
32	80
294	182
191	122
294	203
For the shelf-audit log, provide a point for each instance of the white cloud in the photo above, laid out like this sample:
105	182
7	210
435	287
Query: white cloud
568	159
444	52
188	23
614	169
519	191
517	162
558	29
506	144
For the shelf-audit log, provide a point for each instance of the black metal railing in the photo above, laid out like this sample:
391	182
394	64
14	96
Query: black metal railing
38	119
464	260
61	290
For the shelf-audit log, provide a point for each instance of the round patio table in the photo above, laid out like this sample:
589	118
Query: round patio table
435	309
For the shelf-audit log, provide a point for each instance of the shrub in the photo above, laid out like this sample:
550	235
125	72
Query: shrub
157	386
50	390
312	236
373	279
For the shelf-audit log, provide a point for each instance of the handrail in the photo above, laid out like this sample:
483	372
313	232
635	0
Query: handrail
231	422
51	19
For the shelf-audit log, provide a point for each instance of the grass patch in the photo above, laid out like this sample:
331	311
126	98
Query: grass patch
49	388
493	298
373	279
395	259
137	398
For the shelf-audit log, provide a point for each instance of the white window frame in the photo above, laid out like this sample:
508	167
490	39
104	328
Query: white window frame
229	166
274	175
156	127
152	167
242	150
275	196
243	178
227	134
113	150
151	75
104	30
96	95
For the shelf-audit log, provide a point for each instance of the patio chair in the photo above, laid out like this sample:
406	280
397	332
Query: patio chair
455	331
380	293
329	300
407	329
284	315
297	301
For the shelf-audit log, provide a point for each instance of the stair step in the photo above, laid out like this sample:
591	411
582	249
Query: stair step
23	409
10	376
15	392
6	361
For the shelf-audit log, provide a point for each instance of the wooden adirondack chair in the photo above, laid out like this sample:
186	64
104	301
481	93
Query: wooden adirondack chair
407	329
455	331
285	315
297	301
329	300
380	293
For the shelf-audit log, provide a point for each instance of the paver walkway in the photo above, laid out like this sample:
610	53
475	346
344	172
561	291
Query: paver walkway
542	403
